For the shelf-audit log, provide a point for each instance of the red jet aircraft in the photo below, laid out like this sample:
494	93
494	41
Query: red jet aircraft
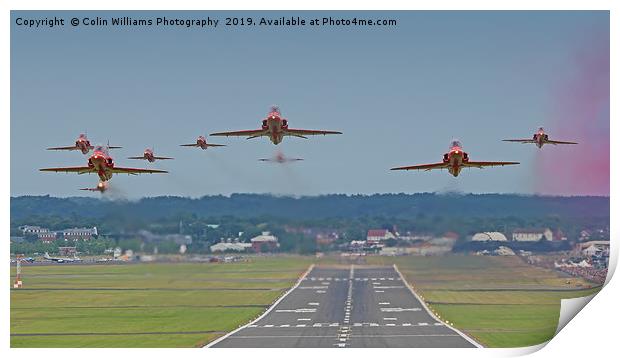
82	144
101	187
148	155
103	165
454	161
540	138
276	128
280	158
201	143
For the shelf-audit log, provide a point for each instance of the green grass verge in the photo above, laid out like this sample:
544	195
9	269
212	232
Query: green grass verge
146	301
499	301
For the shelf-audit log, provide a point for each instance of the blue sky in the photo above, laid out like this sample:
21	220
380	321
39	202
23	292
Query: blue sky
399	94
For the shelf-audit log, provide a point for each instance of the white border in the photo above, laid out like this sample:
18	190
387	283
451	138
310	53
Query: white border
576	339
264	313
404	280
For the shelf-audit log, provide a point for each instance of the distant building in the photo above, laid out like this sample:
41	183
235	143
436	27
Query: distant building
489	236
447	239
376	236
77	234
230	246
264	242
428	249
67	250
532	234
32	230
593	248
47	237
504	251
326	239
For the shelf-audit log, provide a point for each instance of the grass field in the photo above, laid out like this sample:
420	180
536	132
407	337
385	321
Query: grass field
499	301
144	305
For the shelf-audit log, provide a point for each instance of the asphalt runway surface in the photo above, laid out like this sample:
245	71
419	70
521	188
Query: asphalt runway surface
347	307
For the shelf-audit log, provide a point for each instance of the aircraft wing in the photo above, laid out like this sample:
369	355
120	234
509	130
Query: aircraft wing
423	167
252	133
189	145
304	132
135	158
64	148
558	142
110	147
79	170
162	158
134	171
215	145
519	140
487	164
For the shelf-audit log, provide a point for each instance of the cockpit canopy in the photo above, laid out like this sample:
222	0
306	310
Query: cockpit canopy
275	109
455	143
102	149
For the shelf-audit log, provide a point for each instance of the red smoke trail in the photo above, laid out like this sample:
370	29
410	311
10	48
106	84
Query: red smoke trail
581	114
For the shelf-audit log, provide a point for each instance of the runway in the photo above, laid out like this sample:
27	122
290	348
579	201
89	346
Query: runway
347	307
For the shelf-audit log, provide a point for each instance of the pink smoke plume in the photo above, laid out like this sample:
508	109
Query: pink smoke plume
580	113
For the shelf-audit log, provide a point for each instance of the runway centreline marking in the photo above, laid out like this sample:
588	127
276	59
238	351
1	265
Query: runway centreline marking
466	337
209	345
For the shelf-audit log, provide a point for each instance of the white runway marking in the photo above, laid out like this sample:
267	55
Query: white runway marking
269	325
379	291
390	318
285	325
384	303
303	319
300	325
423	324
299	310
390	325
406	324
313	303
320	291
389	287
398	309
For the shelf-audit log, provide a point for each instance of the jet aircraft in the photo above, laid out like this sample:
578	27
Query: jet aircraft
61	260
280	158
150	156
455	160
201	143
540	138
276	128
101	187
101	163
82	144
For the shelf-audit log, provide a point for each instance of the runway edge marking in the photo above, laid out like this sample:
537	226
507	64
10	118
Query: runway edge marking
264	313
466	337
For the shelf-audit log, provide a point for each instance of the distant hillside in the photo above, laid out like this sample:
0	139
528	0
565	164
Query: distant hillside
315	207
